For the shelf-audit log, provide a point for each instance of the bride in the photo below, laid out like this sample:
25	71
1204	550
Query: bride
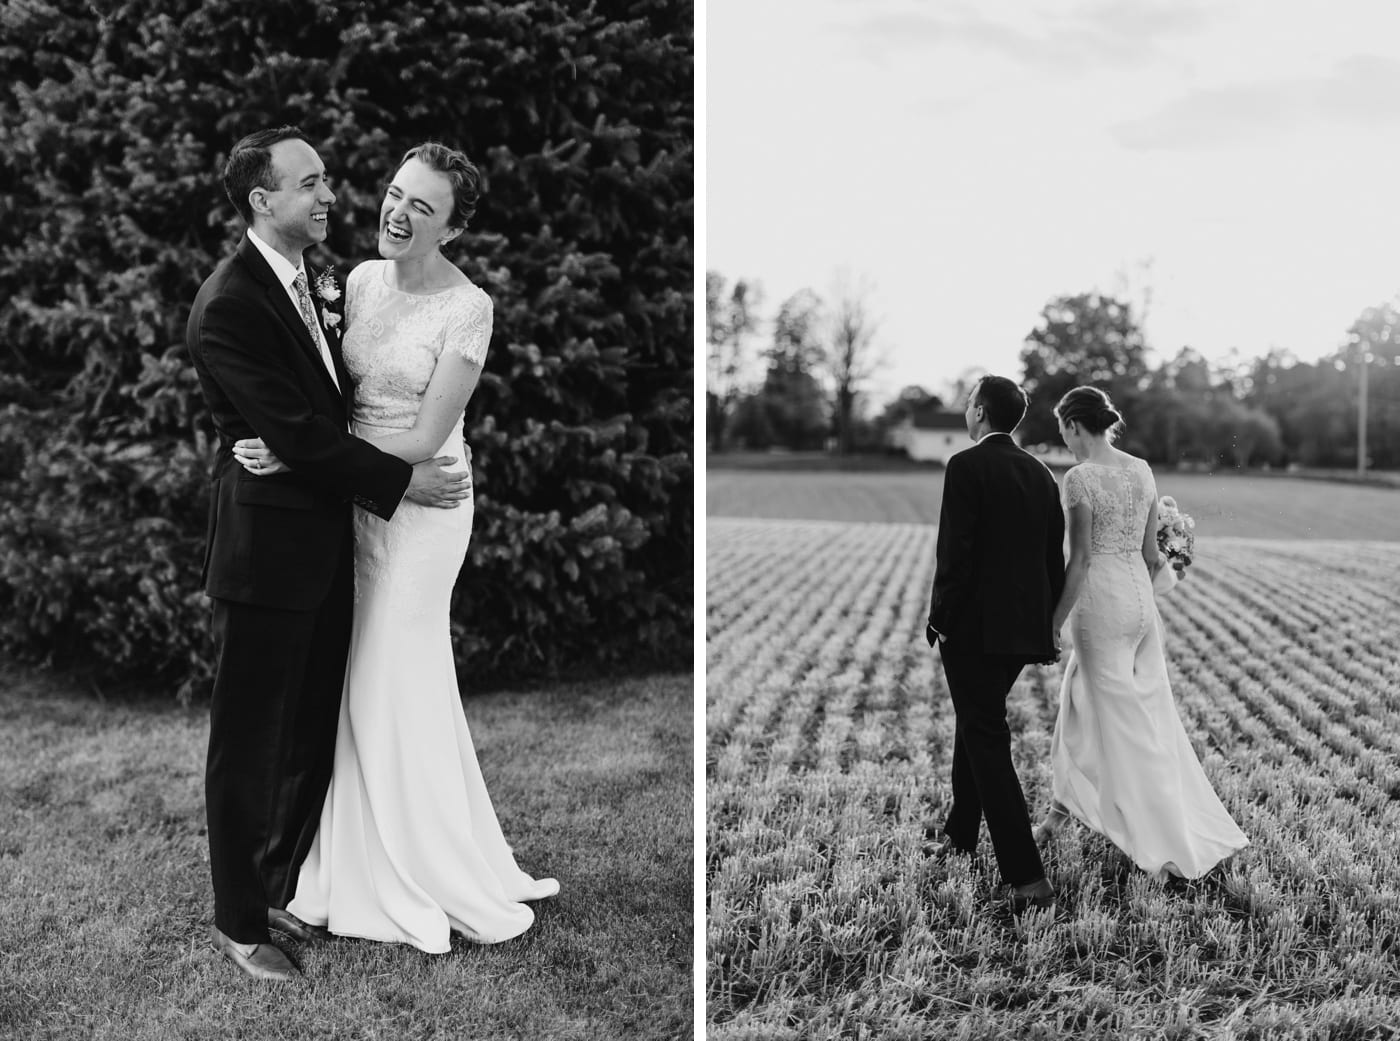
409	848
1121	760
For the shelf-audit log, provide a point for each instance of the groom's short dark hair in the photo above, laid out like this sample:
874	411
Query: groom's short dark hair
1003	402
249	165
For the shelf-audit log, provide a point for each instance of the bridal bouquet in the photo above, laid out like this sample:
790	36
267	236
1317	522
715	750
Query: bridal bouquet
1176	538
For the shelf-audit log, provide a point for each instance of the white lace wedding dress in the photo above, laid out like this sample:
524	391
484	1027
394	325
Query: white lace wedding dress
409	847
1122	762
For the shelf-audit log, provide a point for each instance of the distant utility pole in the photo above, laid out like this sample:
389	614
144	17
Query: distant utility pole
1361	415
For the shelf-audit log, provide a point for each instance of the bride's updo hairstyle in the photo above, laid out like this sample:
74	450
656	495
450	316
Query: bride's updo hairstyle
459	171
1092	410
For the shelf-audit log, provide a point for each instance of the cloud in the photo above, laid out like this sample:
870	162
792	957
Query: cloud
1104	33
1363	91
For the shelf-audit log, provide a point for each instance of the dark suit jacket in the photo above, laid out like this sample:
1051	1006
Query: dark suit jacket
276	541
1001	563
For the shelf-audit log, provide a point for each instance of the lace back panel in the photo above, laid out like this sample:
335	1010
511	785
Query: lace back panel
1119	498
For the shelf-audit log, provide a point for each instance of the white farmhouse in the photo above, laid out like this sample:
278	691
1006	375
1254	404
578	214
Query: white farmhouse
932	435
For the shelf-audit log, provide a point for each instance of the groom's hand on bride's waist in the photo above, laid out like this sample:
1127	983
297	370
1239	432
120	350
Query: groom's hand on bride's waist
432	484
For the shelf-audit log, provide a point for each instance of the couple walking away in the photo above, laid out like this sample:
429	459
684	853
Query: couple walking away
1122	763
342	788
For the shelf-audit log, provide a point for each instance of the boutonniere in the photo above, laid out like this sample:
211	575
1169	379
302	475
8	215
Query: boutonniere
329	292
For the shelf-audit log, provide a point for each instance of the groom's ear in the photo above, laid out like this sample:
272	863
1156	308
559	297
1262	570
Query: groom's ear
257	201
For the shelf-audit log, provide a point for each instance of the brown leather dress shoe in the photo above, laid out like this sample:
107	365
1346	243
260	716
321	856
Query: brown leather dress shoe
266	962
286	922
1039	893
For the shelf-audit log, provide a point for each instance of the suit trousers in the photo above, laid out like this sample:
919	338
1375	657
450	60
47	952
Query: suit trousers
272	729
985	783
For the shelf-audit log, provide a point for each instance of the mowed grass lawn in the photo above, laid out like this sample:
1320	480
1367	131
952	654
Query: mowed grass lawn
106	902
828	741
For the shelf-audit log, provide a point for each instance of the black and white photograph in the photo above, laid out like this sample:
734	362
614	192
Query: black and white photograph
347	539
395	645
1052	534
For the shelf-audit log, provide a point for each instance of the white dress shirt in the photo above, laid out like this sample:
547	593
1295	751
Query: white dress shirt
287	274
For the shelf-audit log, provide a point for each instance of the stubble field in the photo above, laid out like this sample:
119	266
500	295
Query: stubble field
828	738
1250	506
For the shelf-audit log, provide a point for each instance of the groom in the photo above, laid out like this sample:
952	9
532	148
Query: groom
1000	572
278	564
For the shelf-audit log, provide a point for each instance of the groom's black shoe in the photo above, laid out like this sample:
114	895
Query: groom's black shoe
286	922
1039	893
266	962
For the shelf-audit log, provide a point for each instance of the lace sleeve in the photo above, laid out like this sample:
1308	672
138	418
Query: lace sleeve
1149	482
1075	492
468	331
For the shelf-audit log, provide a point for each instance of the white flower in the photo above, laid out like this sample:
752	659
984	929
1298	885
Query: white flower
326	288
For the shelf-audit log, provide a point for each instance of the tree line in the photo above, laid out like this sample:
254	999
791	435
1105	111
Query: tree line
820	356
791	391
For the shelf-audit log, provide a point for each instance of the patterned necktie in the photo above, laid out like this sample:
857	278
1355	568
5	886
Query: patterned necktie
308	315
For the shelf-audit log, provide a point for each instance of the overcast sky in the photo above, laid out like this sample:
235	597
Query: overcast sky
1238	159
